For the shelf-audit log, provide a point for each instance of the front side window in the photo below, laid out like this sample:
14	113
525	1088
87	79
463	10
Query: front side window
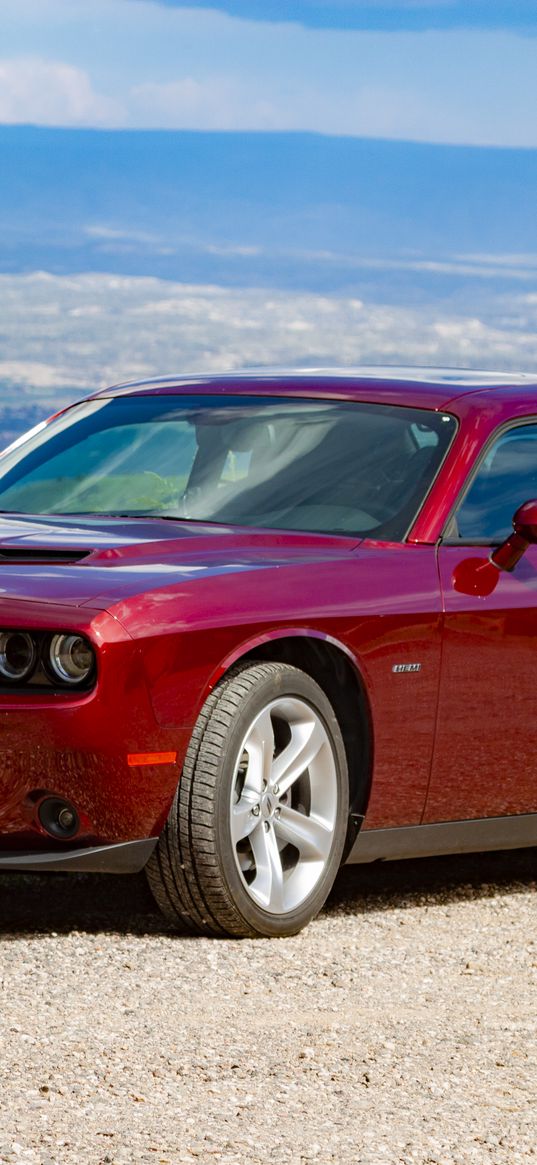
326	466
506	478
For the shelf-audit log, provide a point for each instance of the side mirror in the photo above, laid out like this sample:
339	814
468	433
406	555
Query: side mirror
506	556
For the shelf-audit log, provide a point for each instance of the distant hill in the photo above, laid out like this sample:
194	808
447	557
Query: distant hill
263	209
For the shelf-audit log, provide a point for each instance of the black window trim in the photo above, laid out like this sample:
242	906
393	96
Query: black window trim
508	426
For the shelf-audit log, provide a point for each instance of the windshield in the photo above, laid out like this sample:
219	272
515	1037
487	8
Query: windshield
327	466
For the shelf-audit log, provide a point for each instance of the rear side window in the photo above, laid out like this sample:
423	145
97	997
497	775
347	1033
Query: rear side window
506	478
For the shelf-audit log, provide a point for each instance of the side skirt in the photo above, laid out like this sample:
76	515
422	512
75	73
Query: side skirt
446	837
122	858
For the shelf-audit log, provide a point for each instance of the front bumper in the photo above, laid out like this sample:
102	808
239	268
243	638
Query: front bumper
79	748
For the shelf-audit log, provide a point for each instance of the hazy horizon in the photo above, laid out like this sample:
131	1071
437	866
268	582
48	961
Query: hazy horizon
66	336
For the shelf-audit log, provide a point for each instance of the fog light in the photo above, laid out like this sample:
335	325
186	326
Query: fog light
18	656
71	658
66	819
58	817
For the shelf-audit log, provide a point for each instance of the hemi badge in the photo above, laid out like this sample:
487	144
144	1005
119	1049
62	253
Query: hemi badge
399	667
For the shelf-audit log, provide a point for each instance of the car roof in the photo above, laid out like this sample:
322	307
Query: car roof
418	387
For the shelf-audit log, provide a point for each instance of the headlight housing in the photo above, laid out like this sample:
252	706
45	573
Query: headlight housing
70	659
41	659
18	656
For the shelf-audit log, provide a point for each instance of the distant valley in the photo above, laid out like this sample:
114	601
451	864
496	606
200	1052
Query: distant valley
66	336
389	221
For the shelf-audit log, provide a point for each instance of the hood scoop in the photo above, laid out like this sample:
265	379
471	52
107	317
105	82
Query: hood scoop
38	554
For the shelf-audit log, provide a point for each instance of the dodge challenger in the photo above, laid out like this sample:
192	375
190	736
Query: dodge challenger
257	625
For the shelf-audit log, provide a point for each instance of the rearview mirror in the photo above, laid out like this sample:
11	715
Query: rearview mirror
506	556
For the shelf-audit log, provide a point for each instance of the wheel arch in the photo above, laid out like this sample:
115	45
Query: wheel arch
336	671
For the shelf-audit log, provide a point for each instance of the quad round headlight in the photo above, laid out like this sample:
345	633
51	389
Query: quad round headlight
18	656
71	659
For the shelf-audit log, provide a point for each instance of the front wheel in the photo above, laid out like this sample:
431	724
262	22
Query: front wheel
256	831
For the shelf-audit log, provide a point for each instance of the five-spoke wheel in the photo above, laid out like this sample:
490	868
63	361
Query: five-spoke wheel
284	804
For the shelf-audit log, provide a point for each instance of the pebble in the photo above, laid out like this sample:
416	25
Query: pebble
361	1041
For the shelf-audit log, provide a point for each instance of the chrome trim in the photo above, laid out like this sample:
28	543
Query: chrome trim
445	837
128	857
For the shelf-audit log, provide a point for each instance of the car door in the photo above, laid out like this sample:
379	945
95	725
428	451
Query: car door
485	756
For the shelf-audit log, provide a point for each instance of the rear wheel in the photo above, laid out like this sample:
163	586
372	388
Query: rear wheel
256	831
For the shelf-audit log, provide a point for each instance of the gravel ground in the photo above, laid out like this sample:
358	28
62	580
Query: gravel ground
399	1028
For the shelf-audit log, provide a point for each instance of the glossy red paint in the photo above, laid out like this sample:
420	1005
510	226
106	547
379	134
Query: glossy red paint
219	624
169	609
486	738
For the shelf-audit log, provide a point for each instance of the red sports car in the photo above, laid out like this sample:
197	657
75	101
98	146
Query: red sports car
255	626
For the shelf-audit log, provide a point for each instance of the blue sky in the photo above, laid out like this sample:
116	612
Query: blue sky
461	71
381	14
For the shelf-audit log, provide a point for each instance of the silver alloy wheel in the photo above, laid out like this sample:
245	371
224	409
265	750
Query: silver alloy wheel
284	805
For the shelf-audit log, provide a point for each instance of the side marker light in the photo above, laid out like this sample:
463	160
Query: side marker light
151	758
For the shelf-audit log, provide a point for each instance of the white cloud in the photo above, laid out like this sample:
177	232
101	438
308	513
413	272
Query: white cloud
184	103
223	102
218	102
120	63
45	92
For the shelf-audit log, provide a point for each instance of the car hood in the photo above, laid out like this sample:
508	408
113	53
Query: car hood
93	561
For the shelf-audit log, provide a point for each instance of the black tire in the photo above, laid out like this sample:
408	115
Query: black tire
201	878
